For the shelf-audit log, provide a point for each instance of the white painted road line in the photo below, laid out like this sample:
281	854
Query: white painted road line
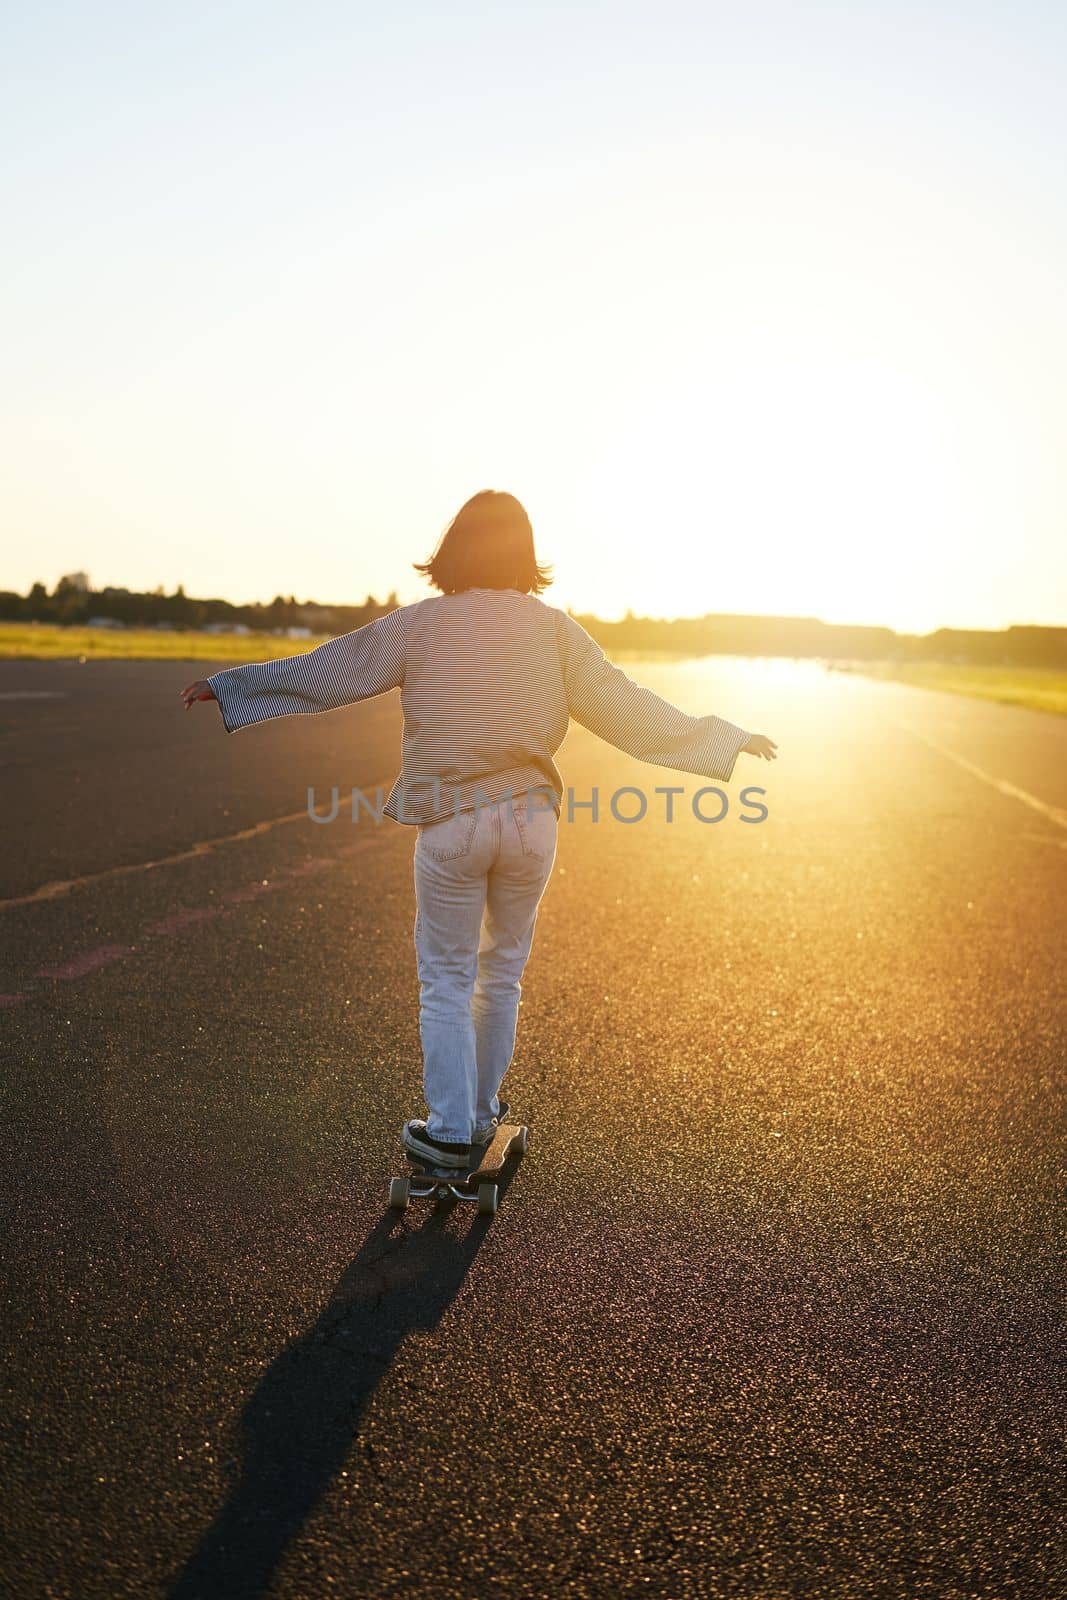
1053	813
34	694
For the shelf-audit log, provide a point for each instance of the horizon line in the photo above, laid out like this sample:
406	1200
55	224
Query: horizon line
629	616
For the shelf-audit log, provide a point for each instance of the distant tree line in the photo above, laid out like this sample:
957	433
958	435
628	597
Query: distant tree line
73	602
1020	646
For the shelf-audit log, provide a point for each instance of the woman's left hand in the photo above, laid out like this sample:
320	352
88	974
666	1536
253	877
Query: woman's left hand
200	690
760	745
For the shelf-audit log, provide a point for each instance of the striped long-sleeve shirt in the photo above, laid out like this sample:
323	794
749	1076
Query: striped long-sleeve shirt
488	681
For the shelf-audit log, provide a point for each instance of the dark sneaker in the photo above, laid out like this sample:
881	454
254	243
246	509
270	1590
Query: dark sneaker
439	1152
484	1136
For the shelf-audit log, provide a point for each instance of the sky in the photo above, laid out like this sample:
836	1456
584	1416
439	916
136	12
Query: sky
756	308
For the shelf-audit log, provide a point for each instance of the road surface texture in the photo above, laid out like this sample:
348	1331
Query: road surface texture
770	1308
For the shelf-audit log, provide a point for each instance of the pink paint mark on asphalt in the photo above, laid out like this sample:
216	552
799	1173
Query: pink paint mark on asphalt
12	999
357	848
184	919
251	891
305	869
88	961
187	917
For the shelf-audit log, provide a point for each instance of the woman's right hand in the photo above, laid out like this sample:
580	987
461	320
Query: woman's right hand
760	745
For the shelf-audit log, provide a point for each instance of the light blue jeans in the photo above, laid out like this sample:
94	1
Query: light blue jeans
479	878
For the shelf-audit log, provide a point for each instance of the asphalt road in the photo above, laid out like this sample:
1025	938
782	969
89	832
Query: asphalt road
771	1308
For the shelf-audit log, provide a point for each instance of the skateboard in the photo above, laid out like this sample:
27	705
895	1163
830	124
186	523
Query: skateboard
477	1184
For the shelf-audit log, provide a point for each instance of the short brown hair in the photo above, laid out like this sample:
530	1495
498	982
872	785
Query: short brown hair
489	544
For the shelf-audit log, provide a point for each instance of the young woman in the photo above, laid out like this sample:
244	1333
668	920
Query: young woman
489	677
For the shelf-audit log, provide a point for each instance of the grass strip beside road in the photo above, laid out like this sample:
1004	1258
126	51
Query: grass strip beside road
1037	688
49	642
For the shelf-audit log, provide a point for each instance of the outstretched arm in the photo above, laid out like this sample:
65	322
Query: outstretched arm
351	667
603	699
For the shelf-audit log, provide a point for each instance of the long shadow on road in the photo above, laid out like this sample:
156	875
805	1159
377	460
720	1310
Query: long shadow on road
300	1425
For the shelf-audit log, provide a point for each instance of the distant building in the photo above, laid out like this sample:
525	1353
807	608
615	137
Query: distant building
105	622
298	633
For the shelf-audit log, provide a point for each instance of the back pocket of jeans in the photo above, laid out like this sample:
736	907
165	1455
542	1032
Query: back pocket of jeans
450	837
536	830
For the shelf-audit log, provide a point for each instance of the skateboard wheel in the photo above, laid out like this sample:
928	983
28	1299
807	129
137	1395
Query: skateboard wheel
487	1198
399	1194
521	1141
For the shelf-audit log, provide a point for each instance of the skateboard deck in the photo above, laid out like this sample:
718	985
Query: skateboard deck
476	1183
